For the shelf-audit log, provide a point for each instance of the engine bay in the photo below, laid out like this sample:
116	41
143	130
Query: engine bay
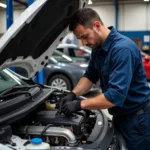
84	129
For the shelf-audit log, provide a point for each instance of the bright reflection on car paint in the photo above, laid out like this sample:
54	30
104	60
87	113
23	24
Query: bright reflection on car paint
57	67
83	65
49	66
62	64
67	57
54	60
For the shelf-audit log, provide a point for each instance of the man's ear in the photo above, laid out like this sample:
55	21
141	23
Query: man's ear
97	26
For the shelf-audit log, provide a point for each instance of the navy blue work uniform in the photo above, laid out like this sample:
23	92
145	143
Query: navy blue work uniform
118	65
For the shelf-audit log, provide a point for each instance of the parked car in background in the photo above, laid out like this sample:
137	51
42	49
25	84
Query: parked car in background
146	64
77	53
63	72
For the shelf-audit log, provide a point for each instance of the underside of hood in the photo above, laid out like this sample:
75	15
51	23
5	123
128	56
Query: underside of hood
34	36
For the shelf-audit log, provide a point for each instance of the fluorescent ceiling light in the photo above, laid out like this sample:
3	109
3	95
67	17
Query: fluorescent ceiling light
90	2
3	5
146	0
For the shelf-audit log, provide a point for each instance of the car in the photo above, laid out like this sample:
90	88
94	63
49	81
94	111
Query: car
77	53
146	64
28	109
63	72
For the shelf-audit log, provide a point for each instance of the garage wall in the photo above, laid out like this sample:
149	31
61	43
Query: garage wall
2	22
106	12
17	13
134	20
134	17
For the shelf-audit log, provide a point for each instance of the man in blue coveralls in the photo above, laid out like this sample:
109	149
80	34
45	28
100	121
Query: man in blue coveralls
117	62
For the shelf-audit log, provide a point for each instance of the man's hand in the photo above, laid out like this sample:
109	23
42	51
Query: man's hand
69	97
70	107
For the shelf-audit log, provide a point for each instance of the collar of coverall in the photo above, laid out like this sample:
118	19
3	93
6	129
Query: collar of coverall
109	39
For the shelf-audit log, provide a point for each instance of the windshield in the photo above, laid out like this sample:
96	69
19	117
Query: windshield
9	80
61	58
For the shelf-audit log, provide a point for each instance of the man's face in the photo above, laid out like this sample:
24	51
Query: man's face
89	37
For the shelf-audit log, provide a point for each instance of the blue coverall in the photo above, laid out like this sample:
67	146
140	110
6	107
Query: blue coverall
118	65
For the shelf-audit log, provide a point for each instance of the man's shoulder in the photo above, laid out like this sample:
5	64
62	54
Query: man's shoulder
122	43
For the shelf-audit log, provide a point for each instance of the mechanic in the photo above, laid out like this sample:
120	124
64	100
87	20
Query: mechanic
117	62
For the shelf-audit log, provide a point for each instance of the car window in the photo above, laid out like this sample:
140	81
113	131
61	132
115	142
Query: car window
62	58
60	49
71	52
77	52
8	80
80	53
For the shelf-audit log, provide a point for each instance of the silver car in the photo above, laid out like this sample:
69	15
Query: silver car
63	72
77	53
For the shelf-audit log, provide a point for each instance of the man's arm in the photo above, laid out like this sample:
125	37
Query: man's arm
120	78
99	102
89	78
83	86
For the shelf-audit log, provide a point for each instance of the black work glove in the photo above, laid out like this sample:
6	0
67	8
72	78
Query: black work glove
71	107
69	97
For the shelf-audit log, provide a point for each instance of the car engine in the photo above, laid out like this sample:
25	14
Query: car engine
54	127
83	129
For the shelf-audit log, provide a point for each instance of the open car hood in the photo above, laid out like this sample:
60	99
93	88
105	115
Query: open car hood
34	36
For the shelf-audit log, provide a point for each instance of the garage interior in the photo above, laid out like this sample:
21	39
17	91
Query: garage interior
70	59
117	13
130	17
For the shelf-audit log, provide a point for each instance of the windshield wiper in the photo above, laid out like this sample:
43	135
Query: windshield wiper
15	94
19	88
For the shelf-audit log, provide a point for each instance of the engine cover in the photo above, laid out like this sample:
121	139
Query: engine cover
52	117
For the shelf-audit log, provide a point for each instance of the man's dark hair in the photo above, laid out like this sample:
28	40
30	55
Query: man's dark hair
85	17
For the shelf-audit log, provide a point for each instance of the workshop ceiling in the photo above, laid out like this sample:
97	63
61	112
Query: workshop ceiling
23	3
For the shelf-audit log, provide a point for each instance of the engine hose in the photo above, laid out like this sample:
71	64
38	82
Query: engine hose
46	127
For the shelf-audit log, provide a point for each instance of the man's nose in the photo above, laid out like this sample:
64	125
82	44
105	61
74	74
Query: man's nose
84	43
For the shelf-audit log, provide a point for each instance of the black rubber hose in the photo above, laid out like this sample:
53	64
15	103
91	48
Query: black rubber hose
46	127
